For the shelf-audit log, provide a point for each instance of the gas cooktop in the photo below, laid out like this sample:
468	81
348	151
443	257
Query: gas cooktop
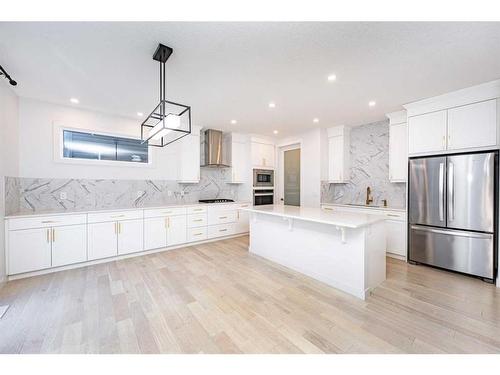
219	200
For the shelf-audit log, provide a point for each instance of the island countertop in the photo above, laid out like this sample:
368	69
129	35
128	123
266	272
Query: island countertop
317	215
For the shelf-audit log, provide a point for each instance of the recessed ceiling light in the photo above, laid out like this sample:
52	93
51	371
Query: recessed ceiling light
74	100
315	119
233	122
275	131
332	77
140	114
272	105
372	103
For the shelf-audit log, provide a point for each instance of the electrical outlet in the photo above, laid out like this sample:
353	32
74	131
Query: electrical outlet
63	195
169	193
139	193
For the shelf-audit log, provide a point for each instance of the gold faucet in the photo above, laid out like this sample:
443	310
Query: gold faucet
368	198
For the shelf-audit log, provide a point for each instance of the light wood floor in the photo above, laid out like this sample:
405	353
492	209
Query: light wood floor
217	298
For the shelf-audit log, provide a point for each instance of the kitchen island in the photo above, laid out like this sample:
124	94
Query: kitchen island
343	250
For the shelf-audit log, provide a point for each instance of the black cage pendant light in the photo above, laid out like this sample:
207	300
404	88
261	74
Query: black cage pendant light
169	121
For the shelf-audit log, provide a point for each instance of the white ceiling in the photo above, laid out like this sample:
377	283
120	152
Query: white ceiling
231	71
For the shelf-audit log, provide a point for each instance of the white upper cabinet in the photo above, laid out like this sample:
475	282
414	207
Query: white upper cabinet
463	120
427	133
237	150
263	154
338	154
472	125
189	163
398	153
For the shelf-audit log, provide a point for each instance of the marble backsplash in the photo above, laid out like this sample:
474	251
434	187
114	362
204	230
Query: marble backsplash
369	153
32	195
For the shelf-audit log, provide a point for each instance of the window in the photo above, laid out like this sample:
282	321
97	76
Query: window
80	145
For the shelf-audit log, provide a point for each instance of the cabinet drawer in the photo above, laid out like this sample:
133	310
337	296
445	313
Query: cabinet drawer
167	211
194	221
196	234
46	221
222	217
196	210
101	217
221	230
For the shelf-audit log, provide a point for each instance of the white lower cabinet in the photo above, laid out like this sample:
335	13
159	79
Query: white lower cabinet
155	233
176	230
29	250
242	224
69	245
102	240
130	236
220	230
395	237
196	234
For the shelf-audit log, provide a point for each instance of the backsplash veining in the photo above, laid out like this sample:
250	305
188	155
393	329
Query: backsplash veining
31	195
369	152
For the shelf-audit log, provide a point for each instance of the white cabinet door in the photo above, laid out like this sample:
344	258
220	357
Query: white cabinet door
102	240
242	222
427	133
29	250
395	231
130	236
155	233
336	159
398	156
176	230
189	165
268	155
473	125
238	162
69	245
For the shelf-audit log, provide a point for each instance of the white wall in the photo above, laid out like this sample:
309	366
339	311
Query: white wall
36	150
9	151
312	168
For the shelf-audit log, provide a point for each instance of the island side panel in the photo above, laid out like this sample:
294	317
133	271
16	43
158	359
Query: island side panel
375	256
313	249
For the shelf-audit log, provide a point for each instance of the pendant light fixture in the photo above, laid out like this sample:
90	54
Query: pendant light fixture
169	121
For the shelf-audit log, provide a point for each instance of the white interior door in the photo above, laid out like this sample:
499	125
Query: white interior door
130	236
69	245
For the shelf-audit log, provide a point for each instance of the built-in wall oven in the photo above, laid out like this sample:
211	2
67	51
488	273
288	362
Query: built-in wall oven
263	178
263	196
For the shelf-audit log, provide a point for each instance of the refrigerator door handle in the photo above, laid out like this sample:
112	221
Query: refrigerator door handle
453	232
441	191
451	191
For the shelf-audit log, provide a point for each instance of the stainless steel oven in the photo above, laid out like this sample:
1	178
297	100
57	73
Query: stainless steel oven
263	196
263	178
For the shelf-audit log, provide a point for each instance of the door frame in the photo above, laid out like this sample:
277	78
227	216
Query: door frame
279	193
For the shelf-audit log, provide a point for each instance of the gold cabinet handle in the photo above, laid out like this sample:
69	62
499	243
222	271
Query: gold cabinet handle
222	217
48	221
393	215
116	216
222	230
197	234
116	228
328	208
48	235
166	222
197	220
119	228
238	214
167	212
53	235
197	209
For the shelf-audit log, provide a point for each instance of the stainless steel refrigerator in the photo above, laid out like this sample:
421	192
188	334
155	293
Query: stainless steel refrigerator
452	212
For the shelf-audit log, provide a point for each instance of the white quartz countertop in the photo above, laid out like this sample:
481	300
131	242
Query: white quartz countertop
317	215
361	206
88	211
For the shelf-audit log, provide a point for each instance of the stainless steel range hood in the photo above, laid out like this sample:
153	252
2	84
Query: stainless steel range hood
213	152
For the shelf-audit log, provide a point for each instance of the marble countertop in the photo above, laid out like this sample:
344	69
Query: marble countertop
375	208
317	215
88	211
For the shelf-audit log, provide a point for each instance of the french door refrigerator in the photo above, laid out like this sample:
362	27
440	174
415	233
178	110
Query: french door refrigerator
452	212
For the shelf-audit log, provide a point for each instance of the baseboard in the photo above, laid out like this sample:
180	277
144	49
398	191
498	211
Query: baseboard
118	257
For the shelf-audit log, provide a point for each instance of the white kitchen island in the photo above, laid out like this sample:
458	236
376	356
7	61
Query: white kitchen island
343	250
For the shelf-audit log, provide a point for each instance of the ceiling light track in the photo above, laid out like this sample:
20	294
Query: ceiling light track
7	76
169	121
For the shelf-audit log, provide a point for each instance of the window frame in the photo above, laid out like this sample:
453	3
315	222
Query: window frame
59	149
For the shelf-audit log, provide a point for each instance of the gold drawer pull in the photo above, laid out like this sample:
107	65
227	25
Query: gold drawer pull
222	217
197	234
393	215
115	216
198	220
167	212
48	221
48	235
328	208
197	209
53	235
222	230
